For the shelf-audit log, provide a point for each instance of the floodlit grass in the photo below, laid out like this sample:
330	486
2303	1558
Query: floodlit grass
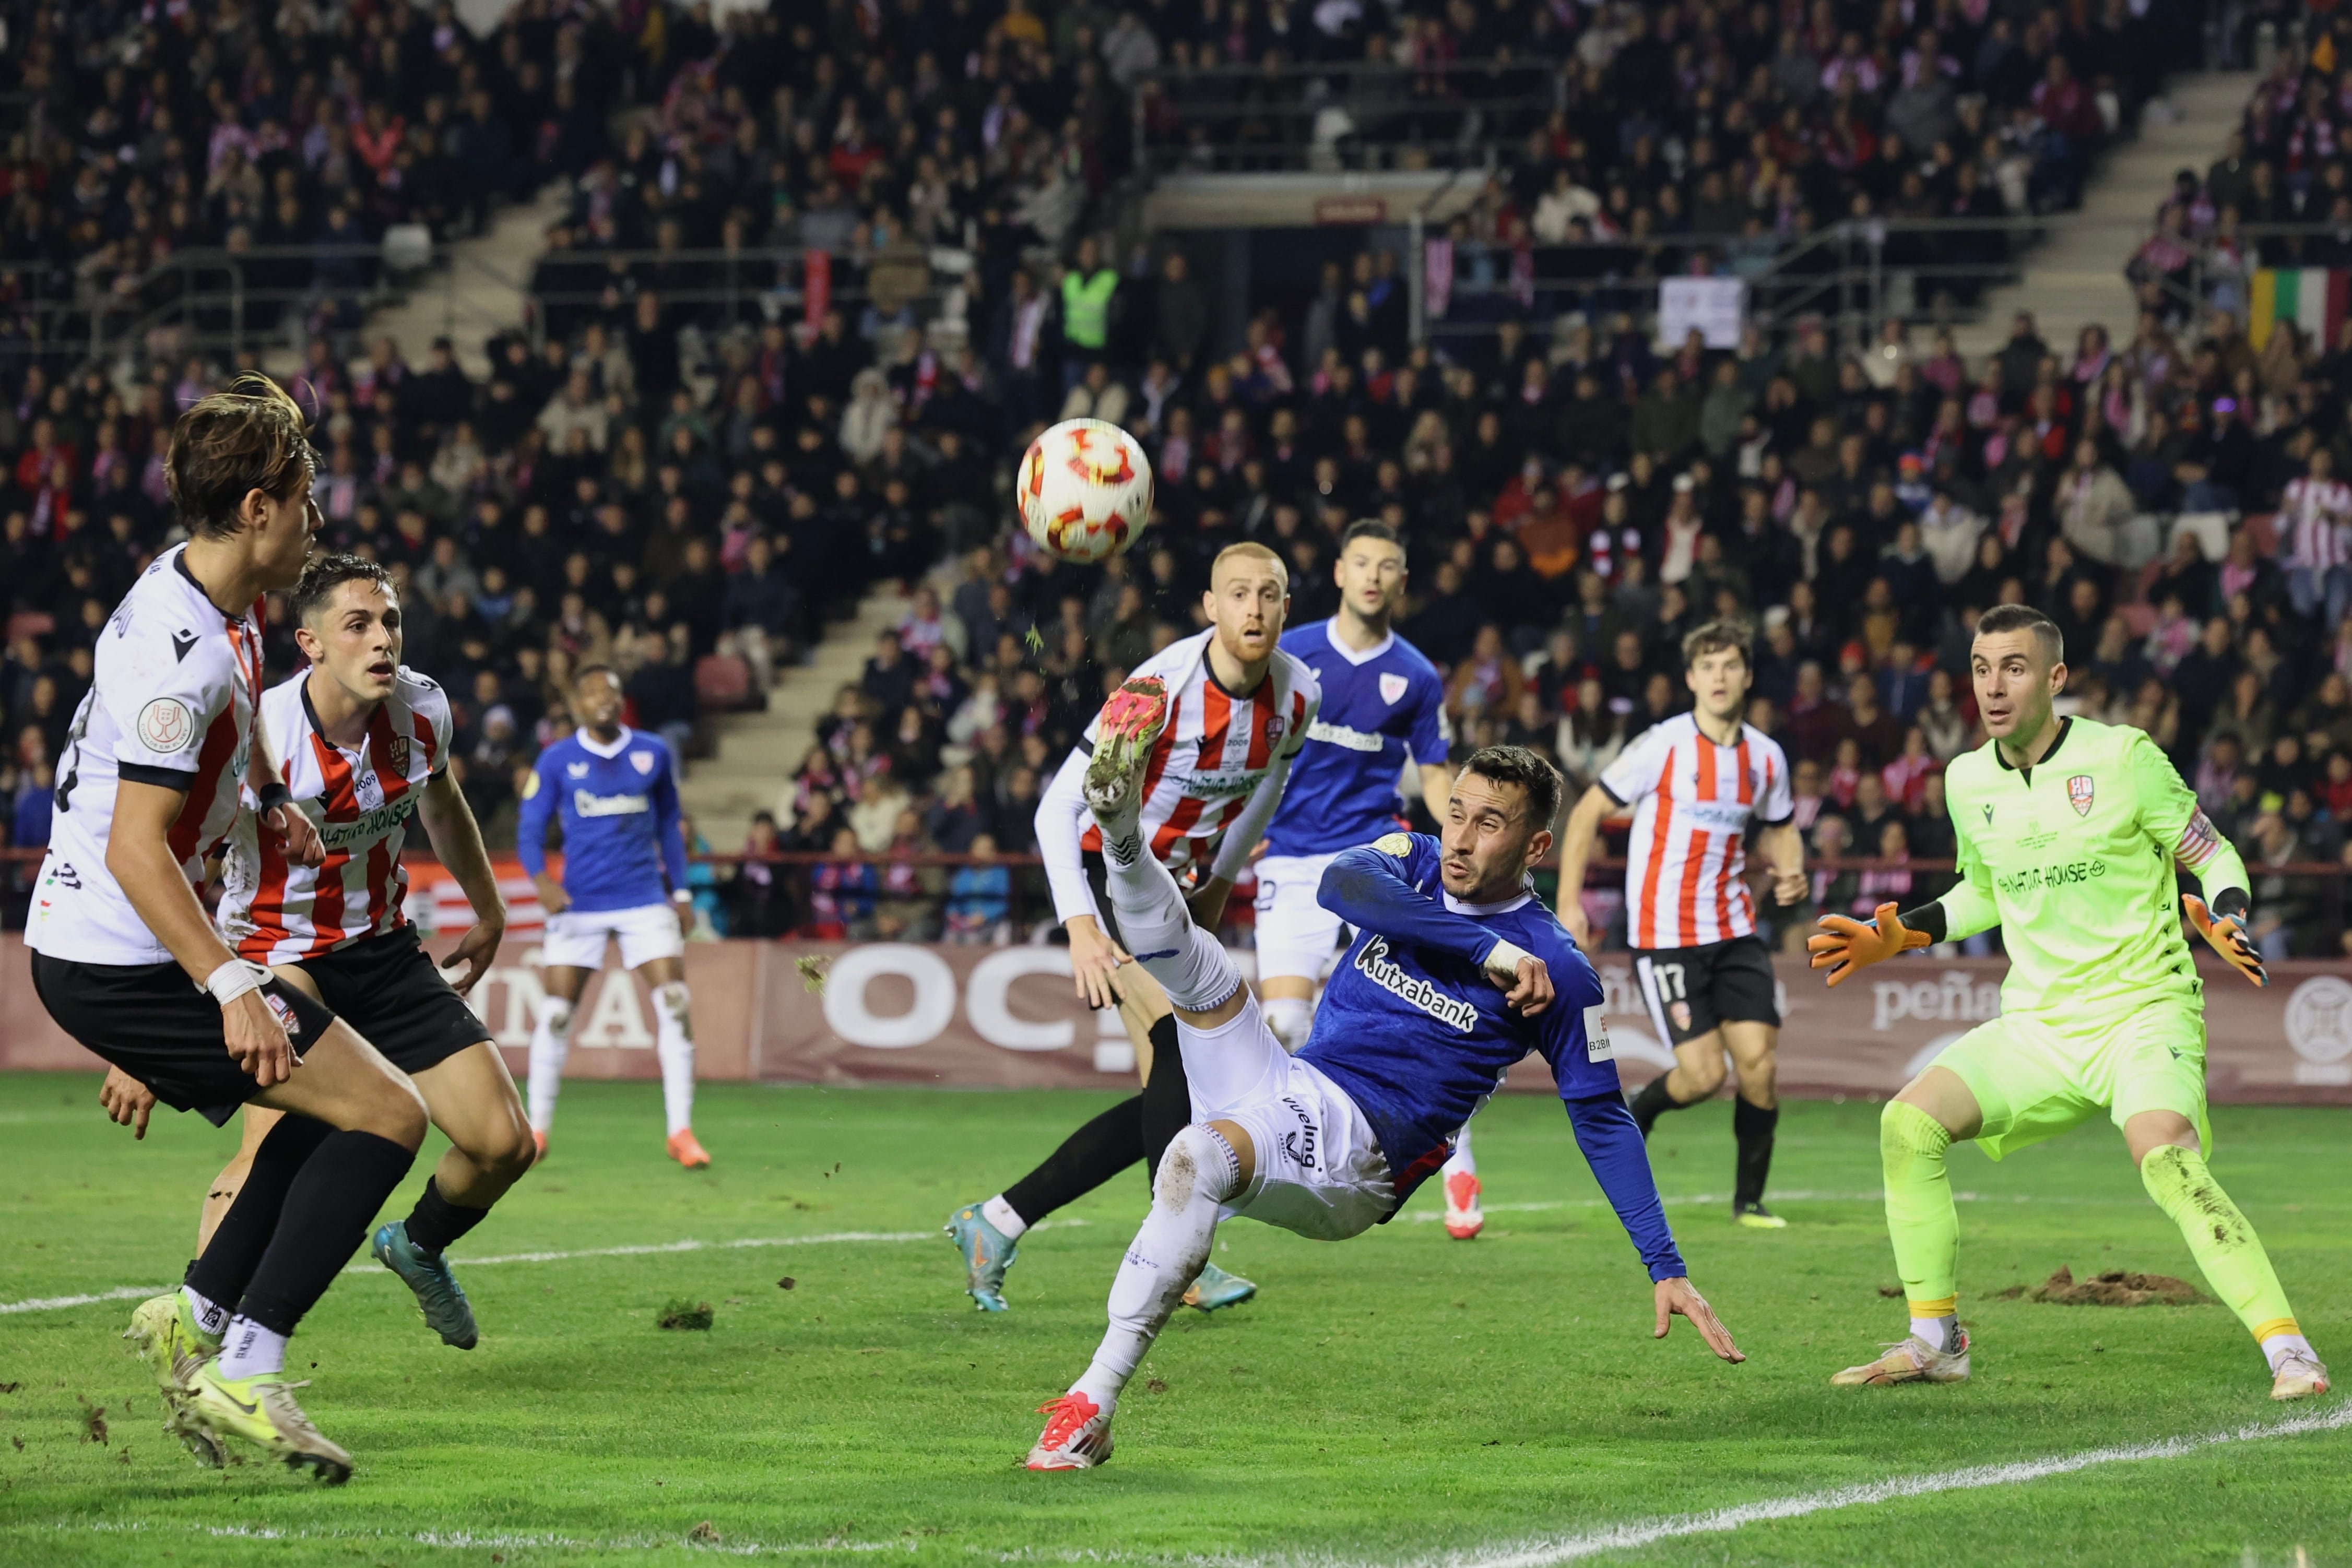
1390	1399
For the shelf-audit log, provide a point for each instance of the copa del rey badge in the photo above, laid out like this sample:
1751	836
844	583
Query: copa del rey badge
1391	689
2080	790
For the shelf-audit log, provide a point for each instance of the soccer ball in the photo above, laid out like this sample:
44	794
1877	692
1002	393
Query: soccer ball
1085	491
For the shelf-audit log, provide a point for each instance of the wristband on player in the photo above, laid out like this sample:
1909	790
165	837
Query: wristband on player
233	979
275	794
1503	958
681	895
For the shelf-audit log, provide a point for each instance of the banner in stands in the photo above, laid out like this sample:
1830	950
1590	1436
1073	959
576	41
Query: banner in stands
1006	1018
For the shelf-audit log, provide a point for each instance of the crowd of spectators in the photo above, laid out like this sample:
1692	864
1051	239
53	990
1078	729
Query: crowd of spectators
689	476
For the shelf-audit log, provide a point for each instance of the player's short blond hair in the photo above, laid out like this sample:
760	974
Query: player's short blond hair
1250	549
252	436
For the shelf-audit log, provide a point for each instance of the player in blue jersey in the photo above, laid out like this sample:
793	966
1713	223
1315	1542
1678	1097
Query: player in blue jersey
1383	709
1459	972
615	791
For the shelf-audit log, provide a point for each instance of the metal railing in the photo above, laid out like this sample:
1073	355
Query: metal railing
1854	274
1358	115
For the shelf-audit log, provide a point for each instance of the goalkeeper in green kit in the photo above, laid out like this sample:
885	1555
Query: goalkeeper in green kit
2068	832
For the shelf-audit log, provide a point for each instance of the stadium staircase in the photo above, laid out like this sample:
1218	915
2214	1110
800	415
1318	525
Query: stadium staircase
482	289
2076	276
758	752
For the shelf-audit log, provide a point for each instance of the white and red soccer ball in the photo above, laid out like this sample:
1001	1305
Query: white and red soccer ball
1085	491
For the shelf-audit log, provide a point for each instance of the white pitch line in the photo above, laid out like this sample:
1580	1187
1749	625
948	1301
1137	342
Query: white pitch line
127	1292
1546	1552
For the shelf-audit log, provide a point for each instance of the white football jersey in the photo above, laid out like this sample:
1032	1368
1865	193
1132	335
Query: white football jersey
274	911
171	703
1687	861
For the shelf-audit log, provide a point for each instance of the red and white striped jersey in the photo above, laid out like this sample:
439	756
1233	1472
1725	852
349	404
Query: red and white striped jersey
1217	749
170	704
276	912
2315	523
1686	857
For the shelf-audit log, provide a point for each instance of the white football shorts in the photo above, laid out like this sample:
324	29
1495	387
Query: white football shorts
1320	1172
1297	936
575	938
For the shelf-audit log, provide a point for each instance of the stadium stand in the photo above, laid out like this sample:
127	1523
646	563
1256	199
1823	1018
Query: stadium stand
821	269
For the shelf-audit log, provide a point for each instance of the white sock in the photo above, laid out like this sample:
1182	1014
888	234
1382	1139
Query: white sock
674	1042
1460	1161
1937	1331
2276	1348
550	1042
248	1350
1000	1213
210	1315
1292	1019
1188	962
1197	1174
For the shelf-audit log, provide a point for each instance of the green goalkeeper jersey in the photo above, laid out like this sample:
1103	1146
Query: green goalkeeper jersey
2073	858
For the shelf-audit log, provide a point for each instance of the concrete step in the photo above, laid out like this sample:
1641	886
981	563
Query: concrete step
759	753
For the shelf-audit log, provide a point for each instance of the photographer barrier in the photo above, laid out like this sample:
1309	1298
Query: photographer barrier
1006	1018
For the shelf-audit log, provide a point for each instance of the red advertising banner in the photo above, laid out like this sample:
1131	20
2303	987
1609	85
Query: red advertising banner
1007	1017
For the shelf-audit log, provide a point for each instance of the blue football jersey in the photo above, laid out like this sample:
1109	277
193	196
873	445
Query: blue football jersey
619	812
1415	1032
1381	710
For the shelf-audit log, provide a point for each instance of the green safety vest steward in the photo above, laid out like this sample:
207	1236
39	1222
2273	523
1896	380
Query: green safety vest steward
1085	308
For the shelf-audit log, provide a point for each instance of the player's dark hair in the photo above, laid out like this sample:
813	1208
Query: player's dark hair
1517	765
2025	618
1369	529
230	443
1716	637
326	573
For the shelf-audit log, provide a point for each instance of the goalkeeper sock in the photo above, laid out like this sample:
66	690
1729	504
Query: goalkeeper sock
1199	1172
1653	1101
1752	1126
1920	1219
2224	1245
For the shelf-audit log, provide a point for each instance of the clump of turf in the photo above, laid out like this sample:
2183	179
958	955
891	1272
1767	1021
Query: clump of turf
2118	1288
682	1313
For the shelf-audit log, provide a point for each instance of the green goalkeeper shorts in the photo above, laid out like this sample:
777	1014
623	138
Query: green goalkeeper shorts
2033	1080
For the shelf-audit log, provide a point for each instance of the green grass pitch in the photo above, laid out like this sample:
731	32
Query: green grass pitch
1396	1399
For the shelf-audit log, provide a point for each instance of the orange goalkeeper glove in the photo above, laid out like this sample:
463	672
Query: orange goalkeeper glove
2227	936
1849	944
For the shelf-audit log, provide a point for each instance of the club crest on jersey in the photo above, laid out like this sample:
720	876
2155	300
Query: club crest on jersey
396	754
643	761
1275	727
2080	790
1392	689
166	725
577	770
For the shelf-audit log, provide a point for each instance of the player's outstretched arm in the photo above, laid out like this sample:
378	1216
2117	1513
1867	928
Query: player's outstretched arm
1613	1147
1366	887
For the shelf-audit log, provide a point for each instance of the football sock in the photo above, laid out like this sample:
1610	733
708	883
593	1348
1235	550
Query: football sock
1292	1019
1920	1219
210	1315
243	1234
1087	1158
1005	1218
1752	1126
1187	961
1460	1161
2221	1239
1937	1331
249	1350
2276	1348
435	1222
550	1042
1200	1172
1653	1101
324	1218
673	1043
1166	1101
